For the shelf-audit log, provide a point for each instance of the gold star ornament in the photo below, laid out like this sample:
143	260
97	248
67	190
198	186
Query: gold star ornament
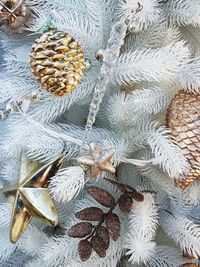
33	199
97	160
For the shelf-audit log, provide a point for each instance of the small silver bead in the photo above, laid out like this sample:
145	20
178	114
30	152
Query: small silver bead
134	28
127	20
34	96
2	115
19	103
100	54
87	64
9	108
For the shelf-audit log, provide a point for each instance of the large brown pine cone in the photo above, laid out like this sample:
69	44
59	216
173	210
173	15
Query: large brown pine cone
183	118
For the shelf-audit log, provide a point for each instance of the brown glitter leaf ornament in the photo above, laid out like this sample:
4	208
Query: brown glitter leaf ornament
80	230
90	214
122	187
139	197
183	118
113	226
102	196
125	203
127	189
98	246
102	233
84	250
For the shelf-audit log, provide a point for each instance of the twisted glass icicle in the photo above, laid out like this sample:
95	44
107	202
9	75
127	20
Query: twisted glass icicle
111	54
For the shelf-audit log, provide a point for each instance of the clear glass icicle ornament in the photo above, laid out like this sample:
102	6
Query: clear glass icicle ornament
109	57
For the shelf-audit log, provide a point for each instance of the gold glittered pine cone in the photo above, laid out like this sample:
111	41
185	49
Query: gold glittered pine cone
13	16
183	118
57	61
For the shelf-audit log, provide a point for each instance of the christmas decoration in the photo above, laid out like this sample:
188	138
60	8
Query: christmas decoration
184	121
111	126
33	200
97	160
57	61
13	15
97	237
21	104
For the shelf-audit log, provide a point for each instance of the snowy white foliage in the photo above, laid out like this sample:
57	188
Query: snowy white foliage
184	232
7	248
183	12
166	152
141	230
67	183
143	218
151	50
140	14
139	248
150	64
166	257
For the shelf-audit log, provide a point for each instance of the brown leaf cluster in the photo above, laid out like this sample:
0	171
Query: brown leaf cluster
97	237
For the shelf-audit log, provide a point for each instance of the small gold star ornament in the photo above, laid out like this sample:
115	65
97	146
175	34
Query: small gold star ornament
97	160
33	200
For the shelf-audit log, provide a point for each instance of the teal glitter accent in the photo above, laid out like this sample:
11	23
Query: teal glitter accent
48	26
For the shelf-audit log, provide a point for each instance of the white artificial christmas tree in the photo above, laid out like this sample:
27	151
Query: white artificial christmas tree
127	194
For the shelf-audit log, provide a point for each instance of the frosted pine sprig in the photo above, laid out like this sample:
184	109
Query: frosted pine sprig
160	56
184	232
150	64
67	183
140	14
141	230
183	12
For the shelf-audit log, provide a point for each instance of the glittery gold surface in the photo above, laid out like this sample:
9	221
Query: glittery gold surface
183	118
58	63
